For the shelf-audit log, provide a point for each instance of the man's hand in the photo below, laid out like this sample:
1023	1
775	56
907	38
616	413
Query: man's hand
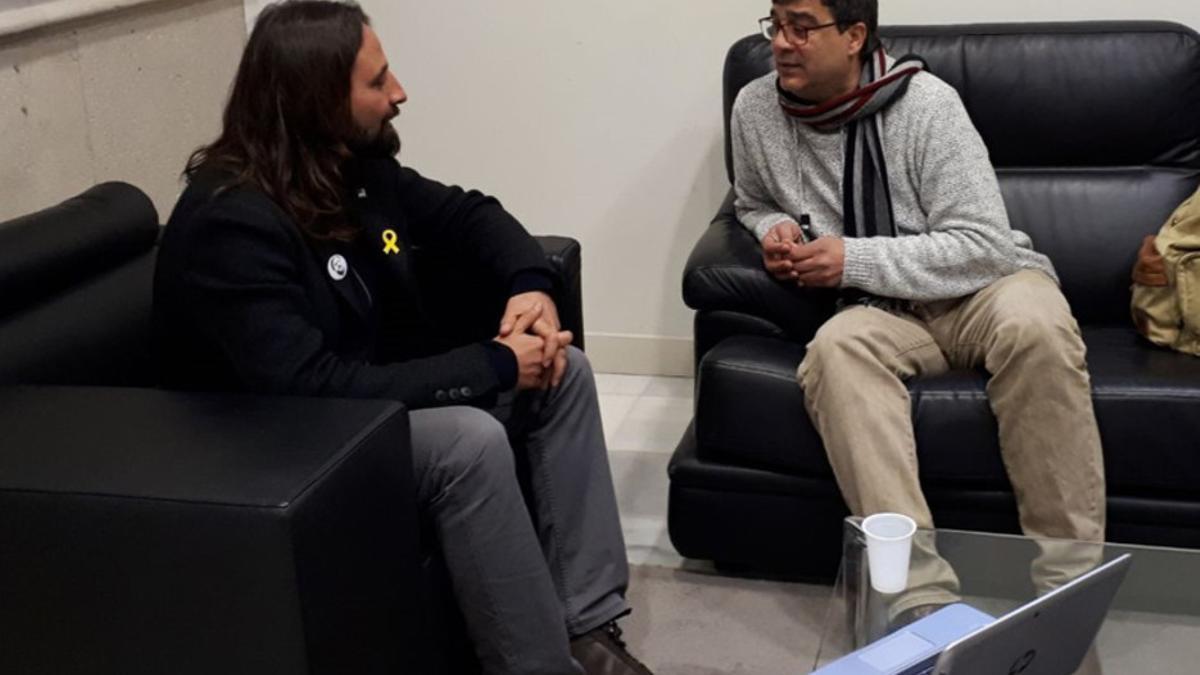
528	349
819	263
778	249
521	303
546	327
553	377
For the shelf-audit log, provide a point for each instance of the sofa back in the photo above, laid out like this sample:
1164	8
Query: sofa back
75	291
1094	130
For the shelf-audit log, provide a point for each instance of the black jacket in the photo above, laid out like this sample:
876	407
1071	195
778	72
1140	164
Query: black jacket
244	301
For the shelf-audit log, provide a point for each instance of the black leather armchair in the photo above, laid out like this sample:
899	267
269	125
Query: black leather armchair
1094	129
151	531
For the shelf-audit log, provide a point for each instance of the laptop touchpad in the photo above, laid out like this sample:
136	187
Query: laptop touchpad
893	652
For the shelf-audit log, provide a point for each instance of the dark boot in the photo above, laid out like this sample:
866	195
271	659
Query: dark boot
602	652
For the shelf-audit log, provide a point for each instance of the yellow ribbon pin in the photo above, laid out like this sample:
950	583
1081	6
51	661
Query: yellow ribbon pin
389	243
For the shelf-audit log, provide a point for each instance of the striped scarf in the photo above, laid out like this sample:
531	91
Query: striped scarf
866	196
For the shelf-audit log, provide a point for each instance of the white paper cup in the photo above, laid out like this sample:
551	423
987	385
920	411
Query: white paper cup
889	545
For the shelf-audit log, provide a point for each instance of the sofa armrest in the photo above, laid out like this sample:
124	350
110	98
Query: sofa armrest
724	273
466	304
154	531
66	244
75	290
565	256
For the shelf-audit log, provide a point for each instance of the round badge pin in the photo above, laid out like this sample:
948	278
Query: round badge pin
337	267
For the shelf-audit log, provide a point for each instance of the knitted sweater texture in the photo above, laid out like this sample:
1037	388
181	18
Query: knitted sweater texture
954	235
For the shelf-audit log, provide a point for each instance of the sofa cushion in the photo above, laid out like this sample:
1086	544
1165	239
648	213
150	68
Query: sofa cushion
750	412
1091	222
1102	93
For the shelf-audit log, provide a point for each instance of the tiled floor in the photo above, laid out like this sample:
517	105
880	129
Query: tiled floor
687	619
644	418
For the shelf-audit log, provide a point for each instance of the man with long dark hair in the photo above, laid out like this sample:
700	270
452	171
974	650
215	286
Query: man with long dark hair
289	266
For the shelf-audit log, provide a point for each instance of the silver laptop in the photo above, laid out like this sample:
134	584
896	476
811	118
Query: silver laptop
1049	636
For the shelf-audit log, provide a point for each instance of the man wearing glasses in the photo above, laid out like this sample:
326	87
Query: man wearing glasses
862	173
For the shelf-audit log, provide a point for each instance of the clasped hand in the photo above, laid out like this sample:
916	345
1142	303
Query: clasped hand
531	329
819	263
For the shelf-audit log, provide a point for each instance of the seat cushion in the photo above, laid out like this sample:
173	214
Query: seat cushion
750	412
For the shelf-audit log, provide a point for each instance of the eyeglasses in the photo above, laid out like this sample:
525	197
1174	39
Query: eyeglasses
794	33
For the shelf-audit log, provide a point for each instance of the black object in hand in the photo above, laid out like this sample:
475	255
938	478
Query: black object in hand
806	228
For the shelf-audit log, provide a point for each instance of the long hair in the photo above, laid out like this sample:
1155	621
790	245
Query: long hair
288	113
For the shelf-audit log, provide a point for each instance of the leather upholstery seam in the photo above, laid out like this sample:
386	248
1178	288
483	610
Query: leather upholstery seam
142	498
753	371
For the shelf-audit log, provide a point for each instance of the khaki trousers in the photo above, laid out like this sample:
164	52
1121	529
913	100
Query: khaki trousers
1019	329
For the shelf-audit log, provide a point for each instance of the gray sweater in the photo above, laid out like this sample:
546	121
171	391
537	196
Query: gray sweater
955	236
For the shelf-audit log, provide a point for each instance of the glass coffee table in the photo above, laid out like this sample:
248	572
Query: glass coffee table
1152	627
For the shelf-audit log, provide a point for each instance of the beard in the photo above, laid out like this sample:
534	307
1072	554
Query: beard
378	143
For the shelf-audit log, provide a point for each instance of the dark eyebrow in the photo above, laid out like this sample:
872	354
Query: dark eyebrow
801	16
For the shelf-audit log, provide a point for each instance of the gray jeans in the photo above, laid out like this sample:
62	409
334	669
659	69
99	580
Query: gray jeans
526	574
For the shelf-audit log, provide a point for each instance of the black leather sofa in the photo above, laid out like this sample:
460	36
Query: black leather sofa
1094	129
149	531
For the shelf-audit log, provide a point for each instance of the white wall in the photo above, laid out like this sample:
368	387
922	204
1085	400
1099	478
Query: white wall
251	8
603	121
